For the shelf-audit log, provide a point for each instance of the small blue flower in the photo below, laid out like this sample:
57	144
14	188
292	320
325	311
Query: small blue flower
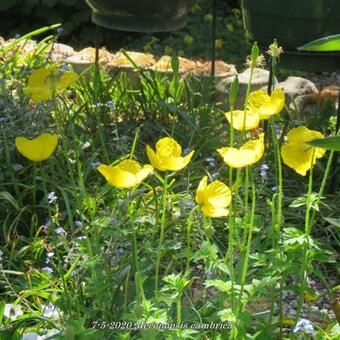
211	162
111	105
95	164
48	270
17	36
214	175
78	224
186	151
278	129
65	68
60	231
49	257
60	30
305	326
263	170
52	197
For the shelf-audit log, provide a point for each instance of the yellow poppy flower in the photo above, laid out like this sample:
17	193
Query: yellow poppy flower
168	155
248	154
252	120
126	174
297	154
266	105
43	83
213	198
39	148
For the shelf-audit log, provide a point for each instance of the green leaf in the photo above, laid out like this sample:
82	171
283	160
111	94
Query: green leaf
333	221
328	143
4	195
326	44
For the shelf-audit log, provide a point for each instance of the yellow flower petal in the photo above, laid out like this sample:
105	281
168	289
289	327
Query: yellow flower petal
42	83
126	174
278	99
297	154
39	148
218	194
67	79
213	198
39	85
211	211
168	155
250	153
155	162
186	159
144	172
201	190
167	146
252	120
117	177
265	105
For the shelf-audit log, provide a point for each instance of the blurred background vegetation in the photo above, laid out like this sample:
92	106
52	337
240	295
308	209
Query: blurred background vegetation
194	40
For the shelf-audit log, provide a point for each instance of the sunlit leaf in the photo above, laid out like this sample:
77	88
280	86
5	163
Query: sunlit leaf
328	143
326	44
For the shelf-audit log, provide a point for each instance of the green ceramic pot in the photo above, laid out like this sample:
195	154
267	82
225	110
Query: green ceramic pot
294	23
140	16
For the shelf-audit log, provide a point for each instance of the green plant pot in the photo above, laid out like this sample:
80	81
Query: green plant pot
294	23
140	16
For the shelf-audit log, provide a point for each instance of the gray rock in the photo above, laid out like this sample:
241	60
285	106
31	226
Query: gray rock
60	52
259	80
300	94
297	86
292	312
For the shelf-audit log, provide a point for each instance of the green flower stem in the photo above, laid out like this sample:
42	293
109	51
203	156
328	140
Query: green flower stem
323	183
138	280
34	193
309	223
246	100
249	239
189	226
161	238
14	181
139	284
179	308
67	295
63	142
246	198
229	255
248	92
322	187
306	246
230	252
278	224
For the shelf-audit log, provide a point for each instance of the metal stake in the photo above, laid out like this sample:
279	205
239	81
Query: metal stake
213	47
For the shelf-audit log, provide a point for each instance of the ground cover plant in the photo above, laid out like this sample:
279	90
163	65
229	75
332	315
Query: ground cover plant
143	211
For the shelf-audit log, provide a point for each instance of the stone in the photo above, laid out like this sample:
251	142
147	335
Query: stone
82	60
163	65
60	52
301	94
297	86
259	80
222	69
119	62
